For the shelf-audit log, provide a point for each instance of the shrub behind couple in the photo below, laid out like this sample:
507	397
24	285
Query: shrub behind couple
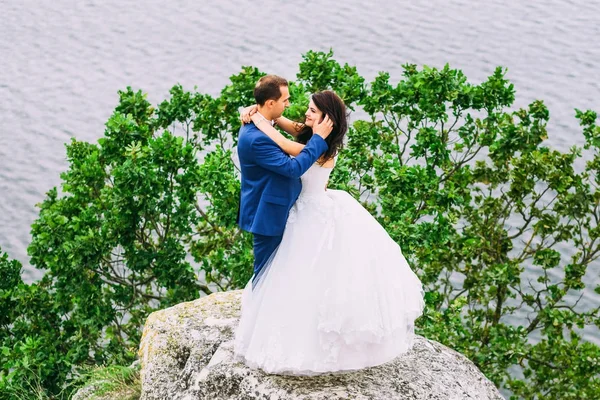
331	291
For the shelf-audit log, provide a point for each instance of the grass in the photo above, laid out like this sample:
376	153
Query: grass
114	382
98	383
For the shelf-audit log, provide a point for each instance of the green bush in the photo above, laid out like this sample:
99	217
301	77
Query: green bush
146	219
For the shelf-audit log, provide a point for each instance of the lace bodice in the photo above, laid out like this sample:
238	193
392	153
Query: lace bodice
315	180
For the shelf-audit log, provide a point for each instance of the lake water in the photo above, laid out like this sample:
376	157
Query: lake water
62	62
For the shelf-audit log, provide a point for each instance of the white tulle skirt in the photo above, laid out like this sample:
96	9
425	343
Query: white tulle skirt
337	295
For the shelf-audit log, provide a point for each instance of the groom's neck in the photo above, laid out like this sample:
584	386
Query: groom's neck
265	113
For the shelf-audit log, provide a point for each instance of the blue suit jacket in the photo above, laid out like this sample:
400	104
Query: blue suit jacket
270	180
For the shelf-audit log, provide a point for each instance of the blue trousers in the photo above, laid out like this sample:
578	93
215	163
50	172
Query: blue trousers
264	246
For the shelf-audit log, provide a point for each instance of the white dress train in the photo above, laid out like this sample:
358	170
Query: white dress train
337	295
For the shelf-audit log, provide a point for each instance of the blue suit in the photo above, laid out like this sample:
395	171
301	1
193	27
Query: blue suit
270	186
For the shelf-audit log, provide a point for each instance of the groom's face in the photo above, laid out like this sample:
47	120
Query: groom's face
282	103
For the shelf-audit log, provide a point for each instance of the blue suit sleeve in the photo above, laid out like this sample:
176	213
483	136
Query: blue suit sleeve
270	156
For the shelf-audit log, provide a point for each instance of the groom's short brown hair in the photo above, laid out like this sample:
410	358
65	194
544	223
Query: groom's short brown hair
268	88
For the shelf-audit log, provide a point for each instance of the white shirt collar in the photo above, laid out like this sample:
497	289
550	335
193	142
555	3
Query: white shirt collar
272	122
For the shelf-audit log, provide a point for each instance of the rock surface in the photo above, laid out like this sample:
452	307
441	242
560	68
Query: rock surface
186	352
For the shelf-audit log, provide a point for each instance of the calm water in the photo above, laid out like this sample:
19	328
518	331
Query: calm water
62	62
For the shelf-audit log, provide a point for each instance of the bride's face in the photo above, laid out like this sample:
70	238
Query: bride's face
312	114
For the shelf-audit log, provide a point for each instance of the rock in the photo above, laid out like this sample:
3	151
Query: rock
186	353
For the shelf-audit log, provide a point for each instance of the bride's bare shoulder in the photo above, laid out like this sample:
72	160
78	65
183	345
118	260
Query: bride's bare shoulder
328	164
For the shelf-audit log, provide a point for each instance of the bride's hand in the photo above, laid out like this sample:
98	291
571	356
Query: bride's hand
323	128
247	112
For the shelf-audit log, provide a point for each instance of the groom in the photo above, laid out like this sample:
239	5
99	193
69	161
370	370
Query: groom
270	177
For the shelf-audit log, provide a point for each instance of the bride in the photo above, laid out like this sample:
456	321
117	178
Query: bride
337	295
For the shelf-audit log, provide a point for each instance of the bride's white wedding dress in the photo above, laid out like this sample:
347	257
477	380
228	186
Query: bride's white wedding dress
337	294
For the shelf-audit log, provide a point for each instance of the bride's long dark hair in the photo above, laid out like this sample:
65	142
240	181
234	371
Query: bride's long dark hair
330	104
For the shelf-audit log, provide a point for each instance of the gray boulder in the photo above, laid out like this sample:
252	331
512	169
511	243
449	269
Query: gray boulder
186	352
